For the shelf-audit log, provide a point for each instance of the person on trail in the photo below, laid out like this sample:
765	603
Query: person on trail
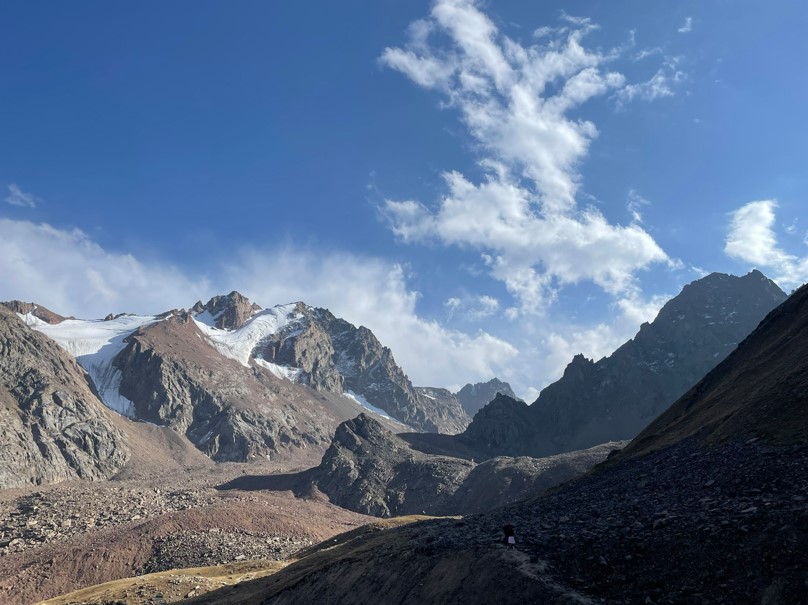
510	539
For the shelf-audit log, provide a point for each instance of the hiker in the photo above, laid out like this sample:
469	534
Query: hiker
510	539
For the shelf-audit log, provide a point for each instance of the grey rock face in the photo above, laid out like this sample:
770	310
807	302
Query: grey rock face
368	469
336	356
473	397
619	395
52	426
228	312
230	412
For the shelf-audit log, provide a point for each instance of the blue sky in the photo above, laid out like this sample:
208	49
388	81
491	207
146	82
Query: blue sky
491	187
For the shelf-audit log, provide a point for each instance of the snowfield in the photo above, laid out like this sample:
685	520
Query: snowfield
95	343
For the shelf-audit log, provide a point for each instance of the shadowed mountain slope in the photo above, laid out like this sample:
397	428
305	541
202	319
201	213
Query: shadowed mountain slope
619	395
760	390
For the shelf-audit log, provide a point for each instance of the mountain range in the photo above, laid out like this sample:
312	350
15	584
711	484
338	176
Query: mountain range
240	383
233	380
709	504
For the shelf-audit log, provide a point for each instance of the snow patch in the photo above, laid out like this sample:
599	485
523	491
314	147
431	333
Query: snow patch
31	320
94	344
281	372
206	318
372	408
239	344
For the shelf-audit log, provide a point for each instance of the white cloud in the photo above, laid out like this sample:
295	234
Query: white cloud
647	52
18	197
452	303
687	27
473	308
72	275
515	100
751	238
660	85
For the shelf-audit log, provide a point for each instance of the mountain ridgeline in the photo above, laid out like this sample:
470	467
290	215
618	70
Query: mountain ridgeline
243	383
616	397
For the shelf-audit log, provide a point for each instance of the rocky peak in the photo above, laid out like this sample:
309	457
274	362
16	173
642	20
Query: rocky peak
363	428
227	312
38	311
474	396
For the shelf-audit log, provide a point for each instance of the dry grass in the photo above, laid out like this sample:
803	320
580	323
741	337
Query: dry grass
173	586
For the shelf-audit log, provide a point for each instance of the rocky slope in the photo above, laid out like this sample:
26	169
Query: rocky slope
59	538
34	310
709	505
370	470
619	395
52	426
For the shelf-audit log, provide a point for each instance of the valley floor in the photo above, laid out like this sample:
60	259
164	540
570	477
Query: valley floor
60	538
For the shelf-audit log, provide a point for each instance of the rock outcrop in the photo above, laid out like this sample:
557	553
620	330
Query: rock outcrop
231	412
33	310
52	425
616	397
227	312
370	470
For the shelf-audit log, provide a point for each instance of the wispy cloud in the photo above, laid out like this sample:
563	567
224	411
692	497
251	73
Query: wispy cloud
515	101
687	27
636	202
662	84
472	308
18	197
751	238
